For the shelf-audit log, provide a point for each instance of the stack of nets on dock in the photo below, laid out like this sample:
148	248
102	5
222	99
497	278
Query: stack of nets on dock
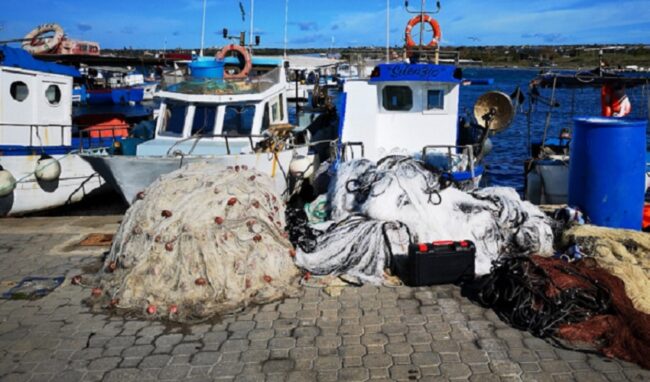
197	242
577	304
624	253
377	209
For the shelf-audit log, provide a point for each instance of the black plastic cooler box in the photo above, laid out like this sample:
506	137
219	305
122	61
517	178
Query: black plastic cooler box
440	262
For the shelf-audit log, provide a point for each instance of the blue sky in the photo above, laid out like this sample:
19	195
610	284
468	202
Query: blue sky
312	23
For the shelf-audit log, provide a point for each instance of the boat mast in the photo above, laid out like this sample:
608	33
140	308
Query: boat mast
286	23
387	31
252	15
203	29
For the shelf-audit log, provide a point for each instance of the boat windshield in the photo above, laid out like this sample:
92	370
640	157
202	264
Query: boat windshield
229	86
238	120
204	120
174	120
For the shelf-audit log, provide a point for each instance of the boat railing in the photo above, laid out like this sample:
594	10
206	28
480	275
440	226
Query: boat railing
348	147
92	137
452	152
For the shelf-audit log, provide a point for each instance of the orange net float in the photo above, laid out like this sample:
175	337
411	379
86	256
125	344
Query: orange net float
244	59
437	33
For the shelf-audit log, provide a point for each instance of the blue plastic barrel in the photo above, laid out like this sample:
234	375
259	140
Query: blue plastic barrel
607	170
207	67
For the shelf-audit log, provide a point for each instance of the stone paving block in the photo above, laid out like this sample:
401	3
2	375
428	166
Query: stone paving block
157	361
255	356
328	363
353	374
104	364
278	366
328	341
302	376
205	358
505	368
352	362
374	339
69	376
378	360
455	370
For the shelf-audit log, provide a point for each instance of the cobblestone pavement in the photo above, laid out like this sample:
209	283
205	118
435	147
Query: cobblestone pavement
366	333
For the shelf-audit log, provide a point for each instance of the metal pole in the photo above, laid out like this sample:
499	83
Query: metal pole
286	23
422	22
387	31
252	14
203	28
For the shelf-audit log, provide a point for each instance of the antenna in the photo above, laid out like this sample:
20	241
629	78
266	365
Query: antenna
203	29
286	22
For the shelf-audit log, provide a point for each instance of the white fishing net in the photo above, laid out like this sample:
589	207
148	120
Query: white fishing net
199	242
403	190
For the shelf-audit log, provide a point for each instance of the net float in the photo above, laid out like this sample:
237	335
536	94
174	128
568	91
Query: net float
151	309
96	292
200	281
218	220
232	201
173	309
166	214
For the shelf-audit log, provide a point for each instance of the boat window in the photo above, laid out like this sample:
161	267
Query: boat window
238	120
397	98
275	112
435	99
204	118
281	106
266	122
53	94
174	121
19	91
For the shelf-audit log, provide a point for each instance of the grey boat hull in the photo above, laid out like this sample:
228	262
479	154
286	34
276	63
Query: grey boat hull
131	174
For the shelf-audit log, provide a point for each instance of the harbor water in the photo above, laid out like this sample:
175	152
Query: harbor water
505	164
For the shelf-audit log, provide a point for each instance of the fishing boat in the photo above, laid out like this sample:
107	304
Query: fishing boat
221	117
40	168
547	169
412	108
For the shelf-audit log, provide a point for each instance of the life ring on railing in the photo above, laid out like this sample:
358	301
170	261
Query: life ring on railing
244	60
437	33
36	45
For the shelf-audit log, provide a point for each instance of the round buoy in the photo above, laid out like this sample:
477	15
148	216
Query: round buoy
47	169
7	182
302	166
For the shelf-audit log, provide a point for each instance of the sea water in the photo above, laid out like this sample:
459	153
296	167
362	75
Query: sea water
505	164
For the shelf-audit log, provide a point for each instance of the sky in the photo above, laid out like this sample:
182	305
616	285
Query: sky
338	23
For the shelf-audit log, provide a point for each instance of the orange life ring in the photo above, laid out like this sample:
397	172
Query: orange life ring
437	33
34	43
244	56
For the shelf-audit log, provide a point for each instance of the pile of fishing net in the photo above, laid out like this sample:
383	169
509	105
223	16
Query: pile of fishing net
376	210
624	253
197	242
577	304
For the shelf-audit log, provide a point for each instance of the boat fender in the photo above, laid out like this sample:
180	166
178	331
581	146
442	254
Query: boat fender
437	33
7	182
47	169
34	44
244	59
302	166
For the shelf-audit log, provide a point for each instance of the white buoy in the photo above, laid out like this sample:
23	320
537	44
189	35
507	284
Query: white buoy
302	166
7	182
47	169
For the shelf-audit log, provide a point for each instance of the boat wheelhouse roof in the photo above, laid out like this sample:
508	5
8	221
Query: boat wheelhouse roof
20	58
416	72
225	87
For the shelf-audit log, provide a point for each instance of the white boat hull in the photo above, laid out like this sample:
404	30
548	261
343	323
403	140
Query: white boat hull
132	174
77	180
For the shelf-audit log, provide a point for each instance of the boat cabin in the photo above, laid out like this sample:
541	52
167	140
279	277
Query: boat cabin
218	117
35	101
400	109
